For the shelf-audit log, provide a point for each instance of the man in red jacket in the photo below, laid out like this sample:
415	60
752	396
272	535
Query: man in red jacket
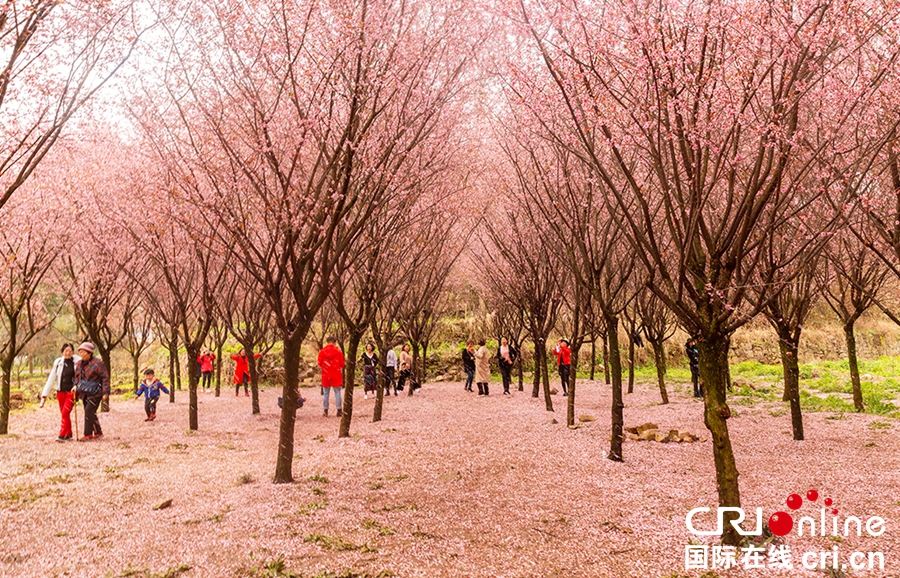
331	360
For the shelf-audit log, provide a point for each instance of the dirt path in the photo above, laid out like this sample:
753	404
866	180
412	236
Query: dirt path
447	485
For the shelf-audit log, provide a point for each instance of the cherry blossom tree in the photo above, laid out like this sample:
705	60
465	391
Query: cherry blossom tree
248	318
29	247
787	313
219	335
187	269
55	57
101	297
289	123
658	325
138	336
517	266
850	280
707	126
569	213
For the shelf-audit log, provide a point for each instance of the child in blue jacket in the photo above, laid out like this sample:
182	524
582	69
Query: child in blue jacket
151	388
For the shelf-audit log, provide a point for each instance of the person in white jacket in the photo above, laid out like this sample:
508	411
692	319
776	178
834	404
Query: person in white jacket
61	380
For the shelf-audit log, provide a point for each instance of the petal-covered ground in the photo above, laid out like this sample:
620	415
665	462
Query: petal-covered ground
448	484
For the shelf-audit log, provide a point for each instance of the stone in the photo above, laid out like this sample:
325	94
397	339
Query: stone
632	436
648	435
633	430
661	438
553	391
163	505
586	418
647	426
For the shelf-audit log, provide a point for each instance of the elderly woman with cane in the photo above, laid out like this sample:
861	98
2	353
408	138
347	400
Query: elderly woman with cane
91	384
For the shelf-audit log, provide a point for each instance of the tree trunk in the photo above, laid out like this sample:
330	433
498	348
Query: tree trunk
725	364
548	401
659	357
193	369
854	365
136	371
618	406
424	371
6	365
593	357
631	362
173	351
535	391
791	369
414	370
521	371
606	358
105	355
570	401
349	381
178	367
716	413
254	378
219	368
382	383
381	342
284	461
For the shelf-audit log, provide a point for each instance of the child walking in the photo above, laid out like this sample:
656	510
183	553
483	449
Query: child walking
151	388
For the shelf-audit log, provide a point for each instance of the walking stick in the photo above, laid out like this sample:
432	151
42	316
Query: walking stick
75	410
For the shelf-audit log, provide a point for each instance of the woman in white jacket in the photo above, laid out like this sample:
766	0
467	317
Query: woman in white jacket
61	379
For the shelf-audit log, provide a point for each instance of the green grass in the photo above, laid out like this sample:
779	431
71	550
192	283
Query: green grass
831	402
312	507
336	543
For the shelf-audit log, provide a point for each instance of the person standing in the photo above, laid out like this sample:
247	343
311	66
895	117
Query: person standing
391	369
91	384
406	367
331	360
482	368
62	380
468	359
370	370
506	357
151	388
242	372
206	368
693	355
564	363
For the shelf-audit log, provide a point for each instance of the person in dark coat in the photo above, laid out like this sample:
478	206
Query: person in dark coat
370	370
693	355
468	359
91	384
506	358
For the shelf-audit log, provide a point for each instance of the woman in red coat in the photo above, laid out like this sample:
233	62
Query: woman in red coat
331	360
206	368
242	372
